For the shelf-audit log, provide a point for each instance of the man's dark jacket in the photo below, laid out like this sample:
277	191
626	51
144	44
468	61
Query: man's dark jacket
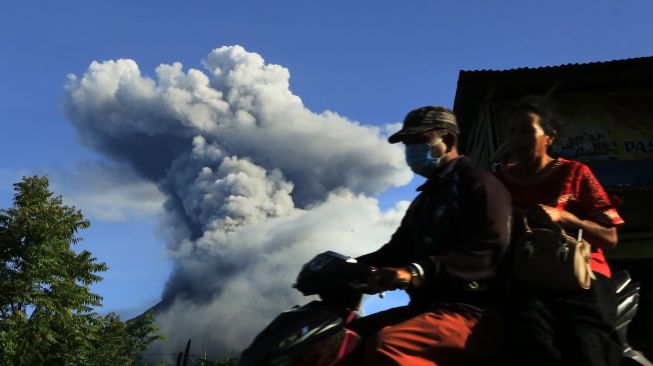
457	230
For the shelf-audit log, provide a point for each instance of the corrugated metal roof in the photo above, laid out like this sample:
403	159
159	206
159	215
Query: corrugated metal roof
619	62
477	88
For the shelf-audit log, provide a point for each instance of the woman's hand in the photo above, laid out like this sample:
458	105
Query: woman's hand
597	235
560	217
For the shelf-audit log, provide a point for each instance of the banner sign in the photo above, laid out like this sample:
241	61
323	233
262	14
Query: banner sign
606	127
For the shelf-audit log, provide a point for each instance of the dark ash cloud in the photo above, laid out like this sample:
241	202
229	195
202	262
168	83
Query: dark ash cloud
254	183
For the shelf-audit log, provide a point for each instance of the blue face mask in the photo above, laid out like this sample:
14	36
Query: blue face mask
420	160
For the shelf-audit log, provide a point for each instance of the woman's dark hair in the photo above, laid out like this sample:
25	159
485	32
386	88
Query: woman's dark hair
550	120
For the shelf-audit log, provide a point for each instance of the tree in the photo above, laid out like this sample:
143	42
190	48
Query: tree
122	343
46	306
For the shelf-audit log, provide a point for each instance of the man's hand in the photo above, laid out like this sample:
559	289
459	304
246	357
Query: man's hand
388	279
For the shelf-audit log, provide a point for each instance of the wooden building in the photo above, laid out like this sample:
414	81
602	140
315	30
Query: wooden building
608	110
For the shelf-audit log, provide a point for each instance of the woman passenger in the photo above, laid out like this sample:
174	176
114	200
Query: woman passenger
550	328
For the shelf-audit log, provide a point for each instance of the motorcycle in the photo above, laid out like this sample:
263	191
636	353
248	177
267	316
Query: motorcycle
316	333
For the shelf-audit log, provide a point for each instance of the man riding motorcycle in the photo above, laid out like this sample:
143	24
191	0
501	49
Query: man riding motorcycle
447	253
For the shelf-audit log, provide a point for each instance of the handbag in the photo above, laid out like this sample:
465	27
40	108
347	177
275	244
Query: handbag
550	259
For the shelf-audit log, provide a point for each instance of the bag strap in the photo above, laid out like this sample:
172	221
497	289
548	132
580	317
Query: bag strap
526	225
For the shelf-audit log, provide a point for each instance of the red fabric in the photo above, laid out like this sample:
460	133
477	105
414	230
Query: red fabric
349	343
441	337
570	186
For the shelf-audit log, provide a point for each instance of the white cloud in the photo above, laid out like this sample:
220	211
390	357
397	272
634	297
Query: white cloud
268	257
255	184
245	106
108	192
102	191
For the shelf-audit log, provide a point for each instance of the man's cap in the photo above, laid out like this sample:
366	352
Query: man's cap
424	119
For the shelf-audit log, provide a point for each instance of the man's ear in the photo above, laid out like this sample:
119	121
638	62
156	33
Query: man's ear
552	137
450	140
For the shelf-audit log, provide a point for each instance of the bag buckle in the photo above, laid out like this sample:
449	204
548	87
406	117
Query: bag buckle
528	247
563	253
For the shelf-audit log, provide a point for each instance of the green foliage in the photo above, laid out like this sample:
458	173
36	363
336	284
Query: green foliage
121	343
46	307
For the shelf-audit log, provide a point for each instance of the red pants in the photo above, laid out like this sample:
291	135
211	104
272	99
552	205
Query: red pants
447	335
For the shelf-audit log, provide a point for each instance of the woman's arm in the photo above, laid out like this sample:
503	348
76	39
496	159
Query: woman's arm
599	236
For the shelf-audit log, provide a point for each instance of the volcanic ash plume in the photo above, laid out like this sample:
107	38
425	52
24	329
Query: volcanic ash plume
255	184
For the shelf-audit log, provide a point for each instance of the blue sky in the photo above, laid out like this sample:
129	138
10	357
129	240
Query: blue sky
371	61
